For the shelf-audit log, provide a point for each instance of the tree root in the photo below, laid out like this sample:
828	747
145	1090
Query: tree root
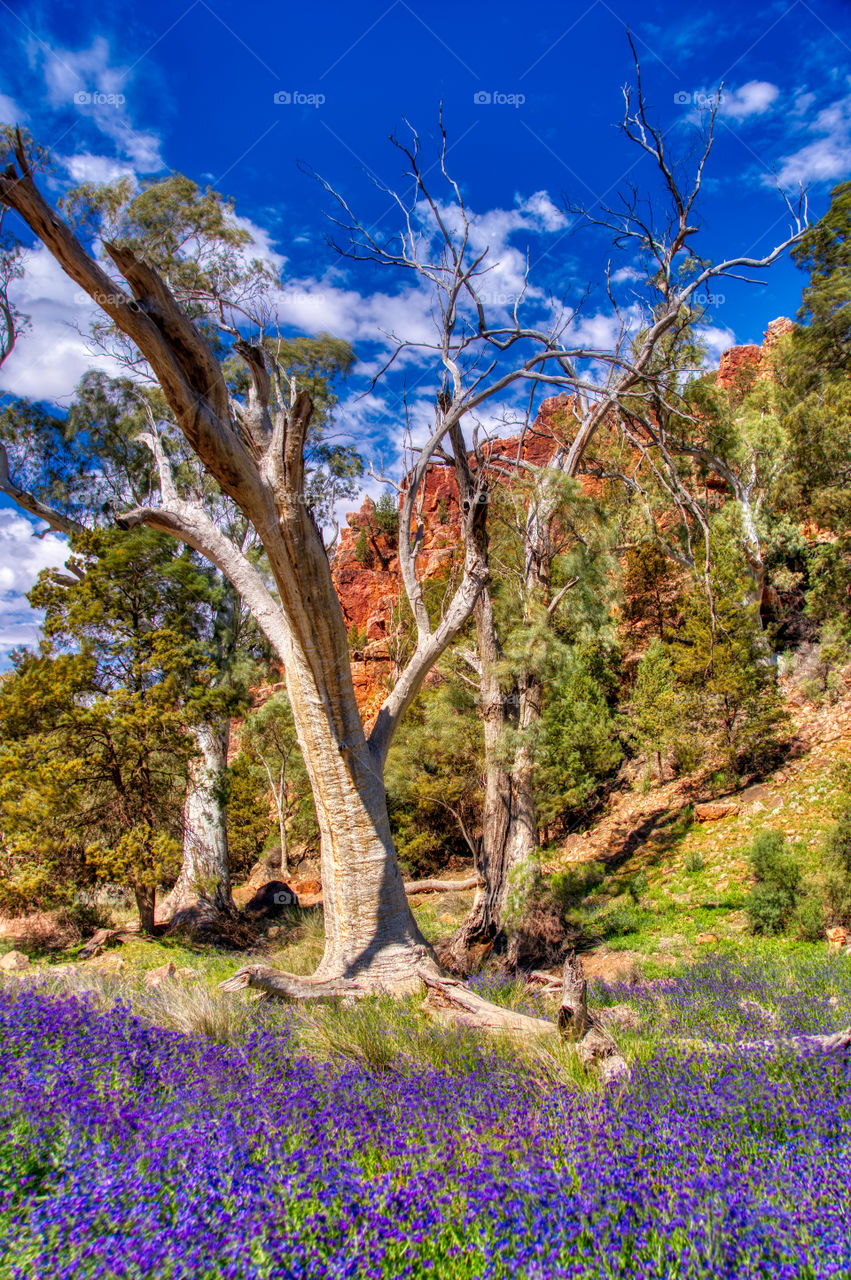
291	986
451	1000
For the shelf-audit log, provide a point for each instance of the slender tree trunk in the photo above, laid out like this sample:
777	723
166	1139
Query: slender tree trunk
282	829
145	904
279	796
509	828
202	894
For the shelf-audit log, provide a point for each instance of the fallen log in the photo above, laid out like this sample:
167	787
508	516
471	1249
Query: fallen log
545	979
800	1046
103	937
441	886
594	1046
448	997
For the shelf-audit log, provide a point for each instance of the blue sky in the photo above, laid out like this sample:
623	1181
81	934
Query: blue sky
531	101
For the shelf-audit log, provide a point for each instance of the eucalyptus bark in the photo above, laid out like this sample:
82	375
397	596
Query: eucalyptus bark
254	449
145	904
202	894
509	822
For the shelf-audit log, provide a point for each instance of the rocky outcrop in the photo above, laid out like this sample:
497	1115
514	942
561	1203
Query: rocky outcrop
365	567
740	366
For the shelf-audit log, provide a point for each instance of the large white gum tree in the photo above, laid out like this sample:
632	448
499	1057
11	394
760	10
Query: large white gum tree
252	445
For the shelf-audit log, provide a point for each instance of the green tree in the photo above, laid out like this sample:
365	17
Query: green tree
386	515
249	818
435	780
578	744
723	665
125	668
650	589
363	551
269	739
836	863
825	252
655	715
814	365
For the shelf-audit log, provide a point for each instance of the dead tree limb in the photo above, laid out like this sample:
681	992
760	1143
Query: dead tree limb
800	1046
440	886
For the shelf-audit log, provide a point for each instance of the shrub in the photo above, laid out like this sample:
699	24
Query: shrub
386	515
357	639
694	862
638	885
808	919
363	551
774	896
836	859
570	886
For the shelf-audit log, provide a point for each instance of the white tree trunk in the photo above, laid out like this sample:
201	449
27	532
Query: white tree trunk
203	889
370	931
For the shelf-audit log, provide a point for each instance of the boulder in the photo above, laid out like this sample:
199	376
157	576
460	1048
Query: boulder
14	960
107	964
156	977
619	1015
274	897
837	938
714	812
307	885
310	899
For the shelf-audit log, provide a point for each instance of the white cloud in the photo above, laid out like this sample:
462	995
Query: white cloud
751	99
86	167
716	340
84	80
54	353
22	557
827	157
10	112
330	303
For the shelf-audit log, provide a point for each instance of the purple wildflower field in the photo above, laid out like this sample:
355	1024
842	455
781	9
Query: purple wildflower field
130	1151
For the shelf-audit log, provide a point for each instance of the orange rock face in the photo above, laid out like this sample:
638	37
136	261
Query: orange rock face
365	566
741	366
